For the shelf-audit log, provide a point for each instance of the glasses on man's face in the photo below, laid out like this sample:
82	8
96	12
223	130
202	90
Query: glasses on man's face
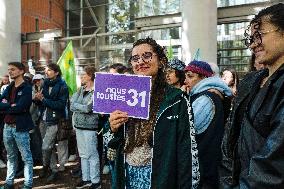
146	57
256	37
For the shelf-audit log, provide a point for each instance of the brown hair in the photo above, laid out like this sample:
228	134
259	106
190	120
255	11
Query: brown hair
90	71
55	68
18	65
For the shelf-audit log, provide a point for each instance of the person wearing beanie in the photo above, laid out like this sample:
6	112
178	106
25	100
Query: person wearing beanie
174	73
208	95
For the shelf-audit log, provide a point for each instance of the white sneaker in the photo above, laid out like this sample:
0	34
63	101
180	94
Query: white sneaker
72	157
2	164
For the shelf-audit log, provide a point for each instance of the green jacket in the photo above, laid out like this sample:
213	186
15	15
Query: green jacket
175	162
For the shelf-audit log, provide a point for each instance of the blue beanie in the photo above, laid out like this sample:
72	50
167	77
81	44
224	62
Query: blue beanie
176	64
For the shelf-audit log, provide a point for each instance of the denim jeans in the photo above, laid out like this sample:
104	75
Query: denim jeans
12	141
87	142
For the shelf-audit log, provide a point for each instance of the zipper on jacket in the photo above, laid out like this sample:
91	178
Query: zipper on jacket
152	150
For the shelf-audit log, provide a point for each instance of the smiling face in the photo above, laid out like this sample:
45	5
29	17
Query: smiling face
144	61
271	47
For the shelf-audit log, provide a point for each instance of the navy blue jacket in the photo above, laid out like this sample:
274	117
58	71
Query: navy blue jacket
54	102
21	111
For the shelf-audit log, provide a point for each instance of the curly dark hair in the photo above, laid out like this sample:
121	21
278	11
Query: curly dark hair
274	13
140	131
158	49
181	76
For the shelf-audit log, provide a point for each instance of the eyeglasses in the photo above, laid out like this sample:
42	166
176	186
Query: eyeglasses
256	37
146	57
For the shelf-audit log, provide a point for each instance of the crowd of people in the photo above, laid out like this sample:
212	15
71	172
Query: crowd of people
206	130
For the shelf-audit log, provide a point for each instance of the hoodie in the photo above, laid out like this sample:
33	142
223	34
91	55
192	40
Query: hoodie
203	107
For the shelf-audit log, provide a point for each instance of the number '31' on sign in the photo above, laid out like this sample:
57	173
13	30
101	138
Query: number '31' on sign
129	93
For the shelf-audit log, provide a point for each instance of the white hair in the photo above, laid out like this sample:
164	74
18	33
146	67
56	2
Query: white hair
215	69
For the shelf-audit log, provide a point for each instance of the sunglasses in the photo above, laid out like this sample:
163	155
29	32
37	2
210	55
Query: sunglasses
146	57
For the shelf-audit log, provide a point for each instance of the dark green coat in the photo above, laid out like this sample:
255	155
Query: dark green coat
172	158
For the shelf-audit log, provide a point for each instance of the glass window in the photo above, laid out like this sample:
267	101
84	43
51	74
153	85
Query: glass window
116	16
158	7
226	3
231	50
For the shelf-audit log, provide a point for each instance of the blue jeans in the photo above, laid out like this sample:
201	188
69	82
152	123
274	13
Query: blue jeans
18	140
138	177
90	162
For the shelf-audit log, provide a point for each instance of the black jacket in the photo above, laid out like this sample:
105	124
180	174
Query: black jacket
209	142
21	111
253	144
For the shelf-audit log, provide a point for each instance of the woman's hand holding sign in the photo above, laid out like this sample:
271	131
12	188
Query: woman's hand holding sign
116	119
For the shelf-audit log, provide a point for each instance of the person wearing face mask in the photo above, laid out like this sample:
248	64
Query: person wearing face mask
253	143
160	152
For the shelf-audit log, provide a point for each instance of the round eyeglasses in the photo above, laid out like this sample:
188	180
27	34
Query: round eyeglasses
256	37
146	57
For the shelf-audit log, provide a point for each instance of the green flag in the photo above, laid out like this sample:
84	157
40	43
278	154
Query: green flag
170	52
67	66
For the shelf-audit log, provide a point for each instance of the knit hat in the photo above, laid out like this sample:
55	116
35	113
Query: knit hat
176	64
200	67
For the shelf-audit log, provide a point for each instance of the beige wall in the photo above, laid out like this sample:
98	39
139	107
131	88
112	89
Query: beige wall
199	29
10	30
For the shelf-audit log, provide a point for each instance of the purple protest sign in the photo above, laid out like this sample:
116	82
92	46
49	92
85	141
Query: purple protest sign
128	93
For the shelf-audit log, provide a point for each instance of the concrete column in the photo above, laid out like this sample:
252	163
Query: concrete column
199	29
10	33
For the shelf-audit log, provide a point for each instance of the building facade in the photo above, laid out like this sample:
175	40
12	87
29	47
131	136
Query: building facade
39	15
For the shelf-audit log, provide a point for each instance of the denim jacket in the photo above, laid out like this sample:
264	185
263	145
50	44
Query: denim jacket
203	107
81	106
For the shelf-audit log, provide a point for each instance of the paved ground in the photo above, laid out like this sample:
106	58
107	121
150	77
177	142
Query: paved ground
64	181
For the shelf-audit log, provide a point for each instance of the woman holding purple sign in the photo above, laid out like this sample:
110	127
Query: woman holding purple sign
160	152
